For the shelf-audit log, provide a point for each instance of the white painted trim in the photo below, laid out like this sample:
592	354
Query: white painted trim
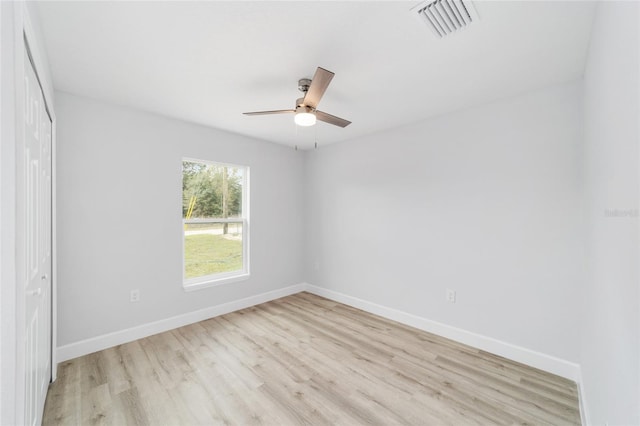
582	401
516	353
9	400
215	280
105	341
19	99
229	220
54	251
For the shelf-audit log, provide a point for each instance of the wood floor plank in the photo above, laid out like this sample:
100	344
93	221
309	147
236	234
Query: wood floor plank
299	360
63	403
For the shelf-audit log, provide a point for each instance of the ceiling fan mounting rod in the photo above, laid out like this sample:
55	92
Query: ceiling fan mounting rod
303	85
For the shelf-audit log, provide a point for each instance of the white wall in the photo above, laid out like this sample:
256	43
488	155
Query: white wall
119	216
485	201
610	354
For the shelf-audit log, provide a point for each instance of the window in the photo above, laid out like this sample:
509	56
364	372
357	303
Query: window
215	222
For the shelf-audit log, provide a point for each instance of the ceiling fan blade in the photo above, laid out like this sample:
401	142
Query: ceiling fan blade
332	119
277	111
319	84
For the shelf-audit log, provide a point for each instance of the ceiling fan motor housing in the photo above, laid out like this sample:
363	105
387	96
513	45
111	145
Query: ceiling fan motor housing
301	107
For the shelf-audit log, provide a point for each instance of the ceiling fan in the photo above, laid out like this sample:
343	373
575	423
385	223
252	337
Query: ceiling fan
306	111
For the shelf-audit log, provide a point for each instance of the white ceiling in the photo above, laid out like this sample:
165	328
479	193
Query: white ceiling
207	62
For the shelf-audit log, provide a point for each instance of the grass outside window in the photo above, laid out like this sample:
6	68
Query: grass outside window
208	251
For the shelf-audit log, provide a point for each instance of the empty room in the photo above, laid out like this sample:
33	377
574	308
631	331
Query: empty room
320	212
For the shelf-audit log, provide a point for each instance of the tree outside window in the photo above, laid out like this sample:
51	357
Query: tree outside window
214	220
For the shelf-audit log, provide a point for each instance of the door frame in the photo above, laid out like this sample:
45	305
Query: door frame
18	27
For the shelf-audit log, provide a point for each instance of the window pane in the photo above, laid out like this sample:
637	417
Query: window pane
211	190
212	248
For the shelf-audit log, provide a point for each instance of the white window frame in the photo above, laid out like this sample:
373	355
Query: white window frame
206	281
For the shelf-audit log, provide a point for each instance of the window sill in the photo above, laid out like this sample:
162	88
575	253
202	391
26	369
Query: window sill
213	282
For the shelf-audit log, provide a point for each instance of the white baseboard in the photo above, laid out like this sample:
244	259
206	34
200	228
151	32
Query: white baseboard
516	353
98	343
526	356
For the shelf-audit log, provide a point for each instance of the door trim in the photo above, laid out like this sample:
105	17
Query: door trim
10	34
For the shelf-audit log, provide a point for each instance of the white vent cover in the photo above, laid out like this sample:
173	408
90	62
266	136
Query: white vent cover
444	17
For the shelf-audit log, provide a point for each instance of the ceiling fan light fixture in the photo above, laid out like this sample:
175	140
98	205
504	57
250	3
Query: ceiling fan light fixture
304	116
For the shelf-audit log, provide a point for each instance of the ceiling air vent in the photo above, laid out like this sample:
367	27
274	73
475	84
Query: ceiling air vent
444	17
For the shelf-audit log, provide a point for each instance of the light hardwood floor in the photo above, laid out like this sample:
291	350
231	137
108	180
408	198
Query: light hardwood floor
303	359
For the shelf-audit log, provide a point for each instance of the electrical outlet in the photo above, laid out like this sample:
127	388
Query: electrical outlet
135	295
451	296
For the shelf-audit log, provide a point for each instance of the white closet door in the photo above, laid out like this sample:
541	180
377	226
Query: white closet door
37	209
